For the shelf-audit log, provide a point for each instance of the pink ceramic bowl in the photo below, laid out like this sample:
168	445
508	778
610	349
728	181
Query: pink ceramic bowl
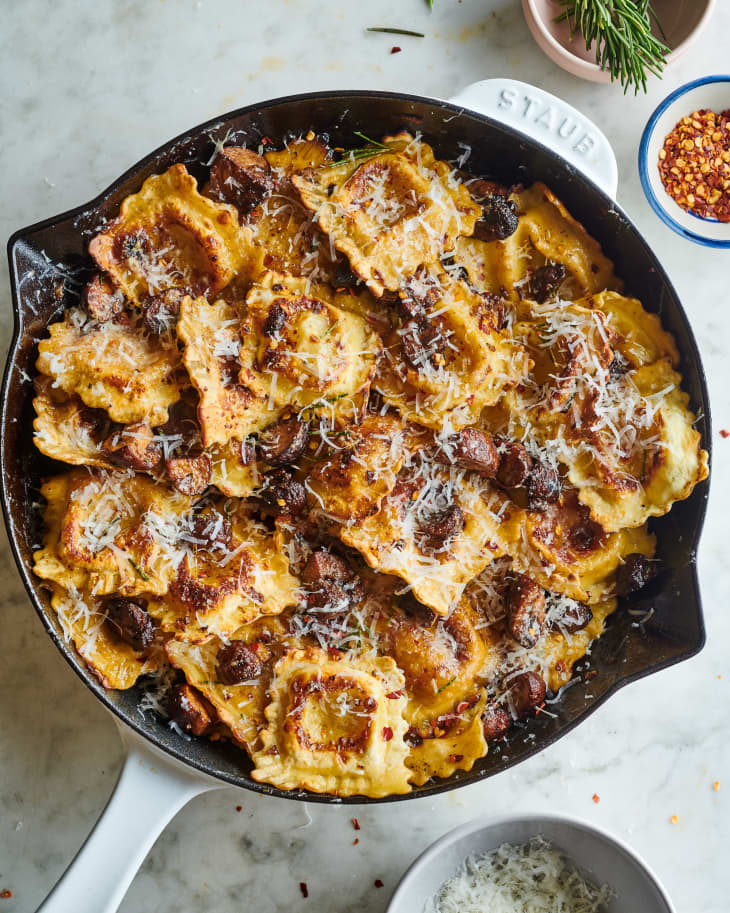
682	21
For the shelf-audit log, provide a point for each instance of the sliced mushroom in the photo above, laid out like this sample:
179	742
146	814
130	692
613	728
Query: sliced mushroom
575	618
133	446
282	494
420	339
515	464
528	691
543	486
213	530
331	582
498	220
161	311
131	621
103	301
633	574
241	177
496	721
190	710
283	442
436	532
190	475
545	280
474	450
525	604
237	662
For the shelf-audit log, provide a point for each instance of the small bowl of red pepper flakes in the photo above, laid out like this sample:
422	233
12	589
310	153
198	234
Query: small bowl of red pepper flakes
684	161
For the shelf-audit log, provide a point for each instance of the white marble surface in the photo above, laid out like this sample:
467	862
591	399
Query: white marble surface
88	88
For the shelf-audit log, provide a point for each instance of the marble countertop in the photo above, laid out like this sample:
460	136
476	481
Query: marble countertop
90	87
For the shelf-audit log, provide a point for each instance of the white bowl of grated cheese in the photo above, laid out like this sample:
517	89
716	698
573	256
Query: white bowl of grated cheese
575	867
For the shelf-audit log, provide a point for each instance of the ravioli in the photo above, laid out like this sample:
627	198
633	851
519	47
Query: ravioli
110	532
546	232
115	663
219	588
334	726
391	211
450	362
65	429
389	539
111	366
456	745
298	348
169	236
211	340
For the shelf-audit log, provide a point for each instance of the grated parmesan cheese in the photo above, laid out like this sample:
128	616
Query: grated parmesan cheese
533	877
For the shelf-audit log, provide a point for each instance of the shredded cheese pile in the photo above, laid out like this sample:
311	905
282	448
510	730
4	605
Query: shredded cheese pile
531	878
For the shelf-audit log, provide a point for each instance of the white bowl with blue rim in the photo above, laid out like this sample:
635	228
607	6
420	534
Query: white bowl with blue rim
711	92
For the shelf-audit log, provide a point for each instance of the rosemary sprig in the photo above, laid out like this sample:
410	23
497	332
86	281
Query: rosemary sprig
444	687
143	574
388	31
372	148
620	33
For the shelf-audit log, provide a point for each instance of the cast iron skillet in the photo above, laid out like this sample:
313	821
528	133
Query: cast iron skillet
49	263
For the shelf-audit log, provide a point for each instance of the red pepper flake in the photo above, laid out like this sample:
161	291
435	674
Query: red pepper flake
239	808
356	841
6	894
304	889
724	433
395	49
596	798
387	733
356	824
394	695
378	883
455	758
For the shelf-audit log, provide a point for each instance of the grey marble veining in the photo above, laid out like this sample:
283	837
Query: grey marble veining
88	88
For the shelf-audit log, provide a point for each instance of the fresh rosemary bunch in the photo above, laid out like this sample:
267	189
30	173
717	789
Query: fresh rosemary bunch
620	31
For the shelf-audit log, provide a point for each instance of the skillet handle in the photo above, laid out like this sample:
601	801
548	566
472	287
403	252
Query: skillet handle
151	788
550	121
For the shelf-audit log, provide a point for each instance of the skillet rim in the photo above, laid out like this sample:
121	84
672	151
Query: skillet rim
32	587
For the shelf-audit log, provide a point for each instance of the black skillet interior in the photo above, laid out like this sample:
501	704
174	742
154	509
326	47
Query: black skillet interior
48	262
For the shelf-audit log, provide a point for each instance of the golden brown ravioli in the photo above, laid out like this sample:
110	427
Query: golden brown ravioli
110	532
334	726
391	211
298	348
111	366
169	236
211	338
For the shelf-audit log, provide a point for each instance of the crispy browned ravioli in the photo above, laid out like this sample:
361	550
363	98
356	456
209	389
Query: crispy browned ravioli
361	451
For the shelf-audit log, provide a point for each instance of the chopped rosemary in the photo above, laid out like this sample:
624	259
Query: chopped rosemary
139	570
329	330
389	31
444	687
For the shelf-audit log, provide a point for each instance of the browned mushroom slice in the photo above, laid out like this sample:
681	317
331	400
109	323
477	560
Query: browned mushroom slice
237	662
161	311
528	691
498	220
133	446
437	531
633	574
471	449
545	280
190	475
526	610
241	177
283	442
131	622
515	464
496	721
282	494
213	531
103	301
190	710
574	618
543	486
331	582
